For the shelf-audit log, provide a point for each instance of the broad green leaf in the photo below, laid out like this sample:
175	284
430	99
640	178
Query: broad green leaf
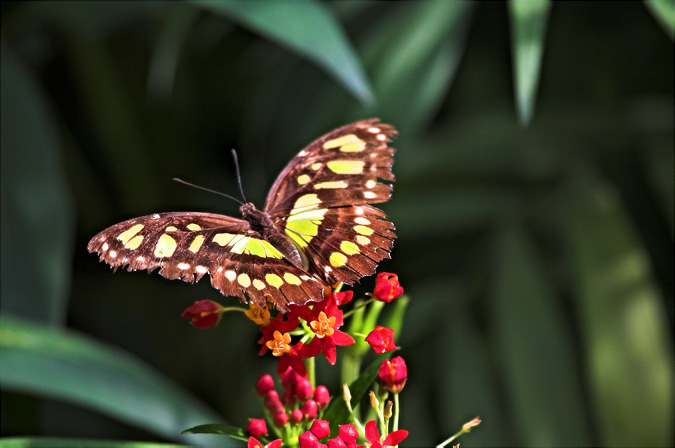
413	66
528	21
37	211
534	347
46	442
628	355
69	366
306	27
230	431
664	13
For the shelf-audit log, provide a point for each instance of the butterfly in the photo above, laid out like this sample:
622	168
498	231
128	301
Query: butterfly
317	227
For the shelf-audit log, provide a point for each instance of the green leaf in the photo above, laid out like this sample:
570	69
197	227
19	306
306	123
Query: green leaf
306	27
528	20
664	13
45	442
69	366
624	326
37	212
230	431
537	360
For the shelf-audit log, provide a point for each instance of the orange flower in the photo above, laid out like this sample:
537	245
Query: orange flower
280	344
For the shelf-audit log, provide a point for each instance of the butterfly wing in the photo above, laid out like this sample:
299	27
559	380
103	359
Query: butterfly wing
187	246
322	200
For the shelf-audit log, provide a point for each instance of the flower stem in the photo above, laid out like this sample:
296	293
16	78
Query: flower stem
310	366
396	411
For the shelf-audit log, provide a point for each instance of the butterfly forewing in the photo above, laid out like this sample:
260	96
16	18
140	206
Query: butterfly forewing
187	246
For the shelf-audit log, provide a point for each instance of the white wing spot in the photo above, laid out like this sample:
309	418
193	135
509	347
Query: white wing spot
327	269
202	269
359	211
105	247
381	137
369	195
155	216
183	266
363	221
220	269
140	259
113	254
374	130
371	183
230	275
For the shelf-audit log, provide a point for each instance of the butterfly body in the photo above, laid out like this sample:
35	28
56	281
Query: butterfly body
317	227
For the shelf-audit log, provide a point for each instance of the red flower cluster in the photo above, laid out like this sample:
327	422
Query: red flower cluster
298	403
347	436
324	319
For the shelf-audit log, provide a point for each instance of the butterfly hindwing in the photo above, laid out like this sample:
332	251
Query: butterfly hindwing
322	198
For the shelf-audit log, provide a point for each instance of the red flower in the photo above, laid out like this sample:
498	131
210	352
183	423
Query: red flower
381	339
257	427
322	396
393	374
387	287
253	443
392	439
348	433
204	314
320	428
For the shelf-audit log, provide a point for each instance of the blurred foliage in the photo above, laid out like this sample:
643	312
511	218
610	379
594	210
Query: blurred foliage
538	258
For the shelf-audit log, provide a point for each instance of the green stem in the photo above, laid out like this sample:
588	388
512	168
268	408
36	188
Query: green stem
310	366
396	411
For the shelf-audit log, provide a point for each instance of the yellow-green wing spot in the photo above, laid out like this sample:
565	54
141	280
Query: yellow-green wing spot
292	279
171	229
315	166
362	240
337	259
306	201
349	248
346	143
303	226
244	280
331	185
303	179
165	247
223	238
125	236
346	166
363	230
194	227
258	284
196	244
274	280
254	246
133	243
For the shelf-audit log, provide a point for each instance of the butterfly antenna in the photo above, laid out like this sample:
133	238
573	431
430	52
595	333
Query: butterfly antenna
236	166
206	189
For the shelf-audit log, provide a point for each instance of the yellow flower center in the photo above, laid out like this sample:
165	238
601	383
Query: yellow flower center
280	344
324	326
258	314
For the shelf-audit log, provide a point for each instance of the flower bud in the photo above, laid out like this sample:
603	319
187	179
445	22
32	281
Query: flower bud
336	443
303	389
257	427
204	314
308	440
272	401
381	339
309	409
296	416
393	374
280	419
320	428
387	287
264	384
321	396
348	433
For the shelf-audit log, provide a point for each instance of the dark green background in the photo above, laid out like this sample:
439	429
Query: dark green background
537	257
